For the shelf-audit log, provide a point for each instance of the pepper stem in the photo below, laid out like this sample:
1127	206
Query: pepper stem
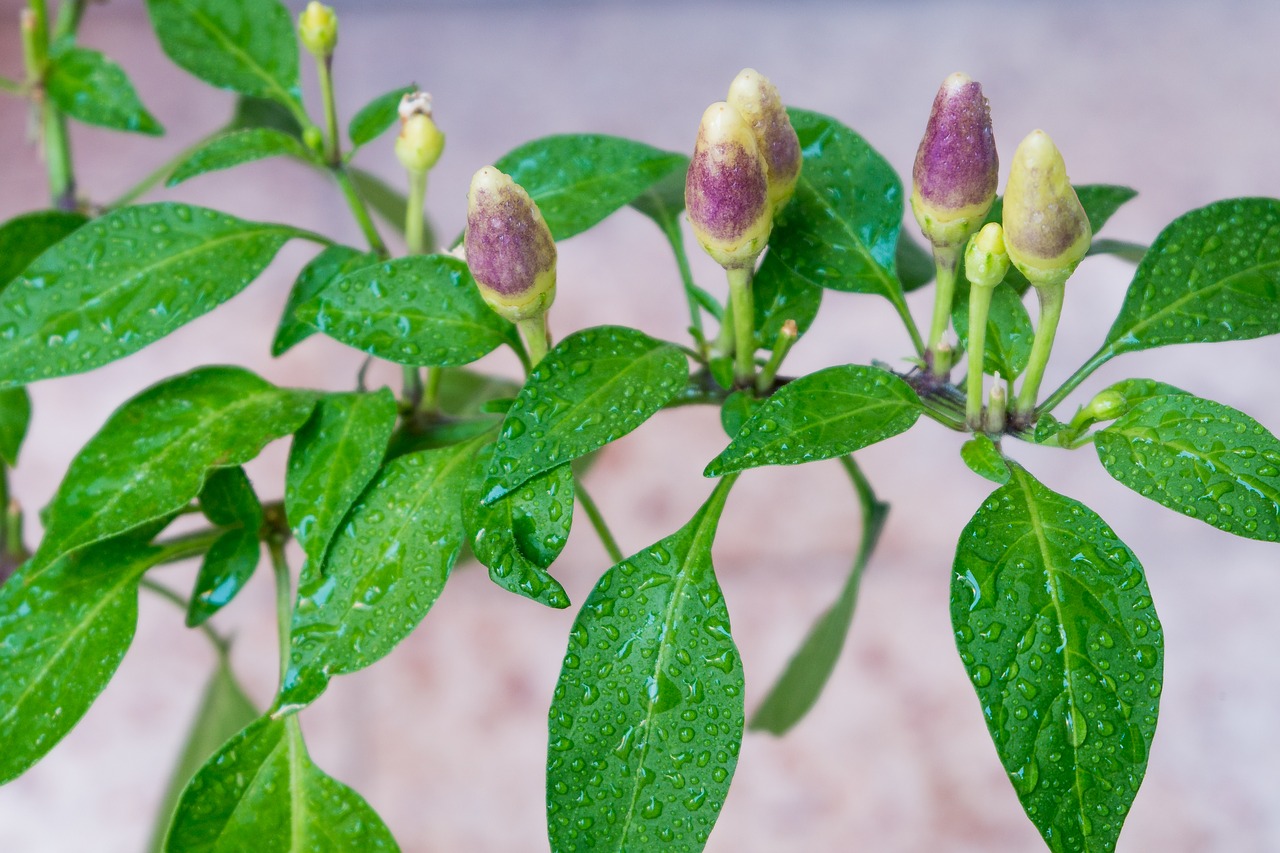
1050	296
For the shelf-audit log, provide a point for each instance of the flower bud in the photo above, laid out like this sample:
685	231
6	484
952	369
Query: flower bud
954	179
420	142
1107	405
509	247
318	29
313	138
726	191
752	95
1046	231
985	260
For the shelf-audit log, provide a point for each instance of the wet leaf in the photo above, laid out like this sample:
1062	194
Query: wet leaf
738	407
1009	332
261	792
385	568
253	112
152	455
1200	458
334	456
15	416
820	416
326	267
24	238
1054	623
124	281
247	46
781	295
596	386
520	535
579	179
376	116
423	310
237	147
91	88
228	500
647	716
915	263
983	457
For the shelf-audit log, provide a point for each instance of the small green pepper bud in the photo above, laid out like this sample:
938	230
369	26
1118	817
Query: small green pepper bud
509	247
757	99
318	30
1046	230
1106	406
313	138
726	190
985	260
420	142
956	168
997	406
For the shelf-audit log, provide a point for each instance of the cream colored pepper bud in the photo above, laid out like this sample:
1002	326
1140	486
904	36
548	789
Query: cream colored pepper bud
985	260
726	190
318	29
420	142
956	168
1046	230
757	99
509	247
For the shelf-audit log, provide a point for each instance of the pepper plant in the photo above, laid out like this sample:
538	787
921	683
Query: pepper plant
387	488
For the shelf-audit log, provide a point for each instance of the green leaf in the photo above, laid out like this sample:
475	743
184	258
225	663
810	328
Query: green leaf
1201	458
152	455
663	200
1135	391
1123	249
66	626
806	674
15	416
334	456
1212	275
87	86
223	711
520	535
24	238
387	203
840	230
236	147
915	264
1054	623
596	386
385	568
825	414
329	265
647	717
376	116
262	112
247	46
124	281
738	407
261	792
1009	332
983	457
467	394
228	500
579	179
423	310
781	295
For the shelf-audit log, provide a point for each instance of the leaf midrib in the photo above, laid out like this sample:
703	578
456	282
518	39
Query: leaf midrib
231	47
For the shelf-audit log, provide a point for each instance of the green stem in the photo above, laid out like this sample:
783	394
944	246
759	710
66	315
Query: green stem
900	305
945	259
786	339
724	340
332	142
69	14
534	332
744	333
1050	312
431	392
979	308
1098	359
284	602
676	240
412	387
39	28
11	86
163	171
221	643
598	522
413	231
360	211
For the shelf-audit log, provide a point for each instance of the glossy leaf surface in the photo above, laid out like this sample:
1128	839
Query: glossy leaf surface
237	147
24	238
123	281
518	536
825	414
1054	623
247	46
596	386
91	88
65	626
334	456
228	500
915	264
983	457
261	792
330	264
781	295
375	117
1009	332
1212	275
152	455
647	716
15	417
385	568
422	310
579	179
1200	458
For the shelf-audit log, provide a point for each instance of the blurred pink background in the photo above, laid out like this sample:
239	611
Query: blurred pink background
446	737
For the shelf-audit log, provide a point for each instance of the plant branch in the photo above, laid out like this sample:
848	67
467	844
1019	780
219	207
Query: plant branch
598	522
221	643
1085	370
284	601
359	210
